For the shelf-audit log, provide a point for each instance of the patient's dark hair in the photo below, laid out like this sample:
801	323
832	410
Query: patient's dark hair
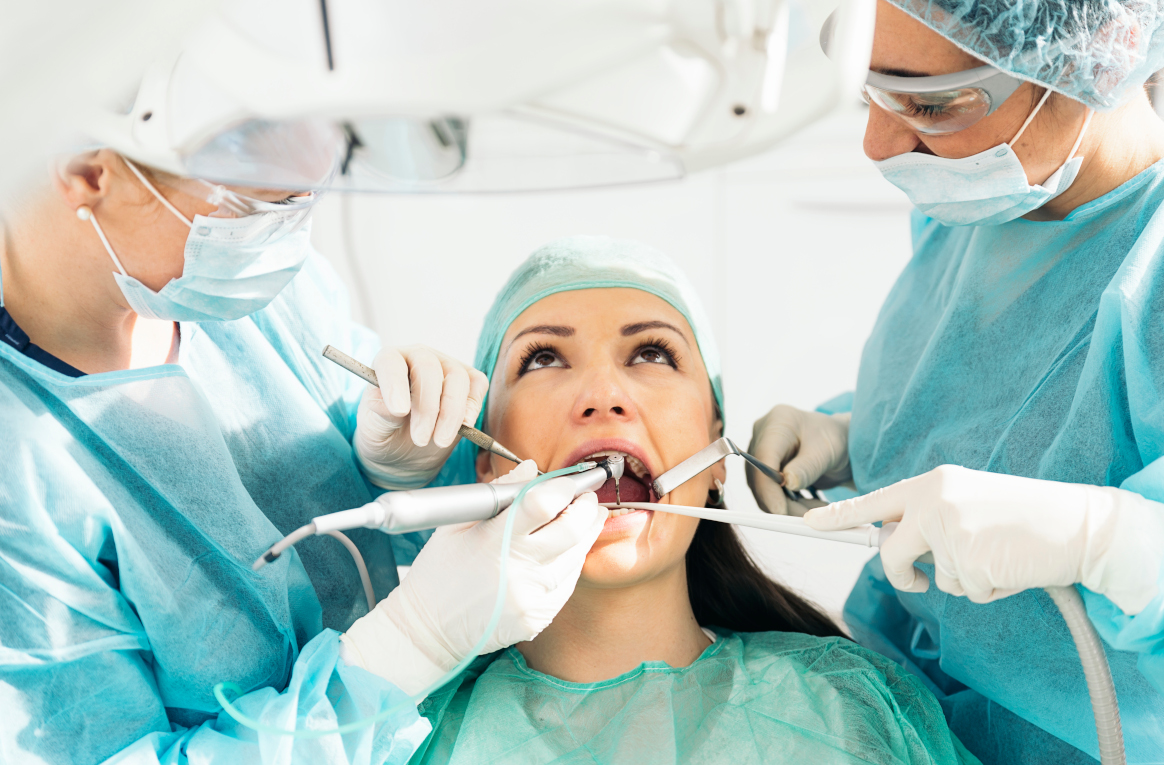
727	589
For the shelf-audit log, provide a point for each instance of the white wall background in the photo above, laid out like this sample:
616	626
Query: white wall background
792	252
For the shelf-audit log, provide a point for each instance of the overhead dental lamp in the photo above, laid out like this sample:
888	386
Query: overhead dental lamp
486	95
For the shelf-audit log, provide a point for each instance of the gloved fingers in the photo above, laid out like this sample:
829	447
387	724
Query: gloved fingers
392	373
426	377
979	592
776	436
887	504
823	451
454	402
769	496
526	470
560	575
576	528
898	554
797	508
375	425
478	389
947	582
539	506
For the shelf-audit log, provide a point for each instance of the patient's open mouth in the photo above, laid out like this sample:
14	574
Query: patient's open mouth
635	485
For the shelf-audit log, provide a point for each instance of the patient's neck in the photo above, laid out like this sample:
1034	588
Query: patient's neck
603	633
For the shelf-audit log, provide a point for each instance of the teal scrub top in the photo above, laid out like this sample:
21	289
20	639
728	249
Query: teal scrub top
1033	349
133	504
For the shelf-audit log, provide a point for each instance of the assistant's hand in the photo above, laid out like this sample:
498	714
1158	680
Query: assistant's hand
441	609
809	447
406	428
993	535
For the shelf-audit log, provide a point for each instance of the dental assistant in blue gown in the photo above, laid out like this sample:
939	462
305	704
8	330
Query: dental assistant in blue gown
1009	409
166	416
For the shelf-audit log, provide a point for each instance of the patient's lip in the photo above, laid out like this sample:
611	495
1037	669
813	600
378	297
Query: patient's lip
587	448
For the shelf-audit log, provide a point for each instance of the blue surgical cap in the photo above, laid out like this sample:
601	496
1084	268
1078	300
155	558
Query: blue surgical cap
1095	51
583	263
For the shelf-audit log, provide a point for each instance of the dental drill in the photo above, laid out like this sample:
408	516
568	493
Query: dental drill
399	512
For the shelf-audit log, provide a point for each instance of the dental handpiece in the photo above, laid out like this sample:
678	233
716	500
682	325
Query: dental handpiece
366	373
399	512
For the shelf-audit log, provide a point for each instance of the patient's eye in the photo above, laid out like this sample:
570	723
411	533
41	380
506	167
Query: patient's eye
656	352
540	357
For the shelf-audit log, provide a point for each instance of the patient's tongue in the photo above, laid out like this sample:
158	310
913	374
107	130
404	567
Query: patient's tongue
631	490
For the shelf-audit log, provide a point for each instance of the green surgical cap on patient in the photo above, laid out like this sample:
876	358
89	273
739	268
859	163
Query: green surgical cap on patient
583	263
1095	51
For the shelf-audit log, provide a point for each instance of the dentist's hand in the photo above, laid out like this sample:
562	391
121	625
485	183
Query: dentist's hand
809	447
406	428
993	535
442	608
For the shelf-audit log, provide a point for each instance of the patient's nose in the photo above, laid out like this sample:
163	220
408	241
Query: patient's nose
603	398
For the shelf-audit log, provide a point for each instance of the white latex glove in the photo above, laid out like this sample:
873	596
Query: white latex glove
406	428
441	609
993	535
809	447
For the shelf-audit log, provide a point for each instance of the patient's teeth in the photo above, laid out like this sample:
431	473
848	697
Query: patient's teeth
634	464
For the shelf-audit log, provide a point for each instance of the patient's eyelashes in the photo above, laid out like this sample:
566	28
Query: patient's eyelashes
655	352
546	356
540	356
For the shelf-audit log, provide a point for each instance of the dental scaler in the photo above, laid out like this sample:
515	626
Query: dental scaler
399	512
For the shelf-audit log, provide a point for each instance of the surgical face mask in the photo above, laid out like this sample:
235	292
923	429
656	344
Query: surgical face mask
984	189
232	266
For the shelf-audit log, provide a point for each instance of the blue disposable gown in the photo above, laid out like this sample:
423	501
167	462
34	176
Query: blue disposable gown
133	504
1034	349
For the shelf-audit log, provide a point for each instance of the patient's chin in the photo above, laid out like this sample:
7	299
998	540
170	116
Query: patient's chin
635	548
614	565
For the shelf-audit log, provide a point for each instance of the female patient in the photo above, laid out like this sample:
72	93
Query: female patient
673	647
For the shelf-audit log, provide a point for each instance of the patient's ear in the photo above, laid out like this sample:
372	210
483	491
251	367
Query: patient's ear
485	471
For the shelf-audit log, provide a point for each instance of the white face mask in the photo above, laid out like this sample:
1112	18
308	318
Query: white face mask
232	266
980	190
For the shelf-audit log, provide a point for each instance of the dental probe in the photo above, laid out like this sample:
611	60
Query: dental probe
399	512
866	535
365	372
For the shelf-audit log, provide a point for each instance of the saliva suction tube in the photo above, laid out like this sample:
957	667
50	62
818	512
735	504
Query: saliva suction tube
402	511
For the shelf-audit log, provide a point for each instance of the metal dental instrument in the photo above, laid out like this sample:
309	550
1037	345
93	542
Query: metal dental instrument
866	535
398	512
365	372
708	456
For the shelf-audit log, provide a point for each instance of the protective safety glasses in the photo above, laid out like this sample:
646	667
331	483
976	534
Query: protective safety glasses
944	103
231	203
934	105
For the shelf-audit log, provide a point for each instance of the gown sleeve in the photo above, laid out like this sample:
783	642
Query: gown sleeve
78	677
1130	334
323	693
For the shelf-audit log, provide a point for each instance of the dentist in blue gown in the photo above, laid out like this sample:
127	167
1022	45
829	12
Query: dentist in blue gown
1009	409
165	416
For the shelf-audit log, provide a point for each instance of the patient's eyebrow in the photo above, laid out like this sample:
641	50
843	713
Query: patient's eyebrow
643	326
545	329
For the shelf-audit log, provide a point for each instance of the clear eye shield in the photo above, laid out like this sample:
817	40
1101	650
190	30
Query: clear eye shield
939	104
